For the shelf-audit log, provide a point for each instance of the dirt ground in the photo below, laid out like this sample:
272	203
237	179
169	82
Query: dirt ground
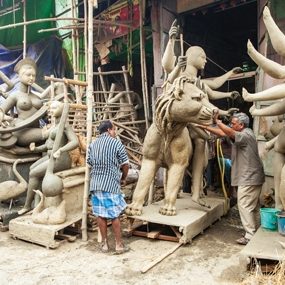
212	258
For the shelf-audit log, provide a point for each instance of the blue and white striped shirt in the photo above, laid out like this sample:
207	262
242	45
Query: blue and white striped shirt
105	156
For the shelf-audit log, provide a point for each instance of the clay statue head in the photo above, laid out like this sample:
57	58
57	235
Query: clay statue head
26	68
56	108
196	57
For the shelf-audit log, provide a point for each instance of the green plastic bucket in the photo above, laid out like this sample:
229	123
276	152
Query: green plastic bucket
268	217
281	223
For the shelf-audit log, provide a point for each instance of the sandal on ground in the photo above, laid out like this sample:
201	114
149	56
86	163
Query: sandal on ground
242	241
121	251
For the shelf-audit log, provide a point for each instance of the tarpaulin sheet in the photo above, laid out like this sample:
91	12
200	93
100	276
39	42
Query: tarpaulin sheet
35	9
47	53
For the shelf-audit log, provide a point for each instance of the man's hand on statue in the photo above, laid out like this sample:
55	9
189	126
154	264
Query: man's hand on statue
237	70
57	154
173	31
215	115
32	146
235	95
123	182
182	61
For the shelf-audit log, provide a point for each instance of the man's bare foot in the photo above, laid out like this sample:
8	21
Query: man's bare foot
24	211
104	247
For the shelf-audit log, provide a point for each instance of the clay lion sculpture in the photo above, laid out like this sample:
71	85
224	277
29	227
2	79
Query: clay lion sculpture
167	142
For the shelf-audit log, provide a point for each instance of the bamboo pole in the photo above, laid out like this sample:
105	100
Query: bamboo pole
37	21
103	84
128	89
66	81
111	72
75	52
24	30
160	258
143	66
85	40
89	117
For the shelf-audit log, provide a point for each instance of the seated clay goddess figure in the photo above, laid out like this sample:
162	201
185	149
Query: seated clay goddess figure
275	70
62	160
27	105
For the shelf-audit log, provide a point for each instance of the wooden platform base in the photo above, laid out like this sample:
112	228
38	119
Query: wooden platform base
50	236
265	245
191	220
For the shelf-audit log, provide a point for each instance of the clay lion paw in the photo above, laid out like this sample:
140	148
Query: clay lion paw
131	210
167	210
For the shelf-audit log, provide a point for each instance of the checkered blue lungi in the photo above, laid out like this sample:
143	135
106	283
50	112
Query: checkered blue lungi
107	205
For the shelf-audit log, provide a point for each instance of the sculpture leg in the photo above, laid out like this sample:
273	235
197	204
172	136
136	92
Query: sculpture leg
276	35
33	184
198	163
278	161
148	170
177	157
37	172
175	174
282	189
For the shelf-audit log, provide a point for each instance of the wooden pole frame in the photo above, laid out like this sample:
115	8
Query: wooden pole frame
89	118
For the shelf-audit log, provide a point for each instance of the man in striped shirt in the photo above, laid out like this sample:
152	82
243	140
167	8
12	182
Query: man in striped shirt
107	156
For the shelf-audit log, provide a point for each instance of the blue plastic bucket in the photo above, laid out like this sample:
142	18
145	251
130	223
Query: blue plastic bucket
268	217
281	223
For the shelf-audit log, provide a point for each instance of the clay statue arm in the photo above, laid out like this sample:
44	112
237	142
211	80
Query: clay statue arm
276	36
270	144
9	103
219	81
138	100
169	58
47	91
275	109
273	93
215	95
272	68
72	142
37	149
8	82
181	63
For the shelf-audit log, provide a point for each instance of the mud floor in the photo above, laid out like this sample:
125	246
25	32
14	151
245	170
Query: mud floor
212	258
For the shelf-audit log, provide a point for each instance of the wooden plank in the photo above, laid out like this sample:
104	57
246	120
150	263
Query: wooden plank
160	258
153	234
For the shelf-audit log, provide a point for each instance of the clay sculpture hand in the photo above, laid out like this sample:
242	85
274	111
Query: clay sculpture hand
275	70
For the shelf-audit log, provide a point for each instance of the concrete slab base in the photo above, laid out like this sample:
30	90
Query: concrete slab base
191	219
265	244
